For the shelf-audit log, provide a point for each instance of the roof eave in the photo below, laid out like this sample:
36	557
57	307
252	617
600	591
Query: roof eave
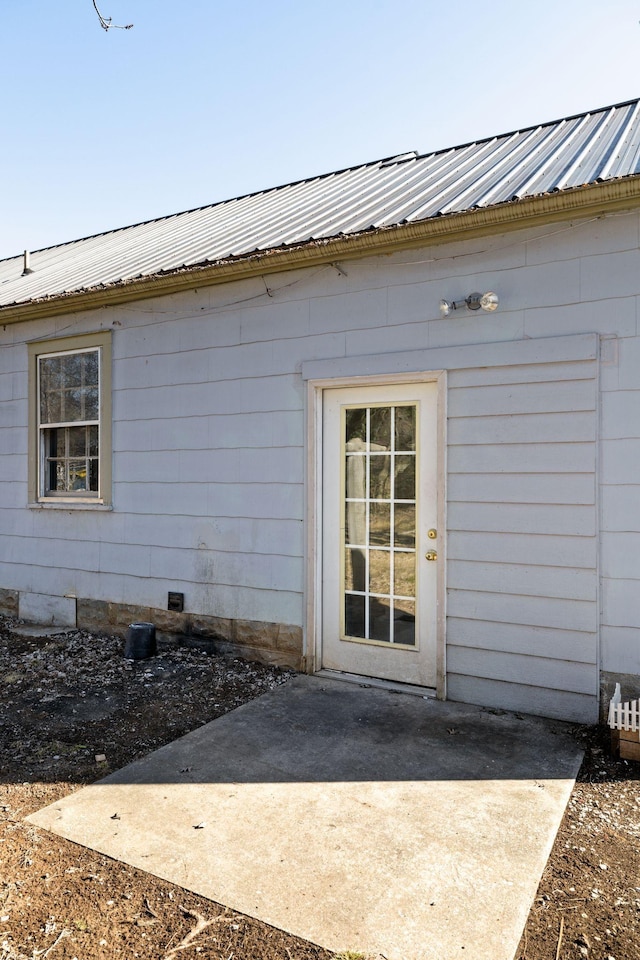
590	200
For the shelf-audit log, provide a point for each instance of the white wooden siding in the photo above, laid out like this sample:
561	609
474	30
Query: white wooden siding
571	552
522	559
564	488
208	438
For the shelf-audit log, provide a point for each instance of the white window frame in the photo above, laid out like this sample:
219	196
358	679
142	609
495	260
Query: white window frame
39	494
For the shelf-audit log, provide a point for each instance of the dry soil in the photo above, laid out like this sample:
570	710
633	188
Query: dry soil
73	709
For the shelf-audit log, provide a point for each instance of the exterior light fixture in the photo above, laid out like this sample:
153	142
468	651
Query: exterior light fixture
475	301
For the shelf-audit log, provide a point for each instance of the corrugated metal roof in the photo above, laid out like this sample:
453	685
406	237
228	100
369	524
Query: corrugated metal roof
601	145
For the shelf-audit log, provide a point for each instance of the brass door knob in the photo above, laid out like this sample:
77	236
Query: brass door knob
431	555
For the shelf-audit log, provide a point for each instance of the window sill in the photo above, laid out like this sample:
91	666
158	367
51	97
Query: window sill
76	504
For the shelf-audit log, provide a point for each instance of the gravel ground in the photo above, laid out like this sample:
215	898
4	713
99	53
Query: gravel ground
73	710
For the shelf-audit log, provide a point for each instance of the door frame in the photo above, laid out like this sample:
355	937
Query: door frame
314	511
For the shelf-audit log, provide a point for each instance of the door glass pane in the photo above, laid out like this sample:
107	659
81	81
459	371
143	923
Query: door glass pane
356	476
356	523
379	470
354	615
404	581
380	476
380	427
404	525
405	428
354	570
380	571
405	478
404	622
356	427
379	619
380	524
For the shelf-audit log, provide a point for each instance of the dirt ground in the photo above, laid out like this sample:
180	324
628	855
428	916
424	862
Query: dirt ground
73	709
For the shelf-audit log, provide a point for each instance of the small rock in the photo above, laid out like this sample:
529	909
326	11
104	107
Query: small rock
100	758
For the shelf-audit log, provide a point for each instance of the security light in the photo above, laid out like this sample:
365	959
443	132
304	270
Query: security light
475	301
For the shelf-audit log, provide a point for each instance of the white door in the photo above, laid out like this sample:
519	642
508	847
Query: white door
380	537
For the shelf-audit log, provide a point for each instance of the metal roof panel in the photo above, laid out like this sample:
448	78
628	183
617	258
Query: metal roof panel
599	145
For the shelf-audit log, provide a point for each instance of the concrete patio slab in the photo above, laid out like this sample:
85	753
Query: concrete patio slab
354	817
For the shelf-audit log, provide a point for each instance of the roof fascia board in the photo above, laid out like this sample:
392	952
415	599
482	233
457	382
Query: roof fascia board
592	200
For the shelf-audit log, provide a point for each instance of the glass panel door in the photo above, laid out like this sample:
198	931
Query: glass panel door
379	518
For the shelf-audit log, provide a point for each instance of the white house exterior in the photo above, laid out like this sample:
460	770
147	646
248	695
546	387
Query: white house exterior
335	476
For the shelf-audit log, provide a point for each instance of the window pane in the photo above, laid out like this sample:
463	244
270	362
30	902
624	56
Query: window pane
55	439
404	525
90	404
405	475
80	403
93	475
73	369
51	373
356	428
53	478
380	428
380	571
69	388
354	616
380	480
90	367
77	475
356	523
356	476
379	620
404	622
77	440
405	428
50	390
404	574
72	405
68	467
93	441
354	568
379	524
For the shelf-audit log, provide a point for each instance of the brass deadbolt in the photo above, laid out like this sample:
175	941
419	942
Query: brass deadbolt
432	534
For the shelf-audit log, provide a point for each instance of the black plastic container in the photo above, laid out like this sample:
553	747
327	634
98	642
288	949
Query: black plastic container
141	641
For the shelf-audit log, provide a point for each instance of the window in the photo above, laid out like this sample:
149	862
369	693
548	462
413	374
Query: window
70	420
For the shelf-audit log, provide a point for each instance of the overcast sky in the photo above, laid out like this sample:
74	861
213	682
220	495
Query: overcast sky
202	101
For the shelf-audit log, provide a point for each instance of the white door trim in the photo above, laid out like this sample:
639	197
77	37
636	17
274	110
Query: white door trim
313	511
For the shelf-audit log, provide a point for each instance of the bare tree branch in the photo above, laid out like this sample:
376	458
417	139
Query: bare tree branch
105	22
